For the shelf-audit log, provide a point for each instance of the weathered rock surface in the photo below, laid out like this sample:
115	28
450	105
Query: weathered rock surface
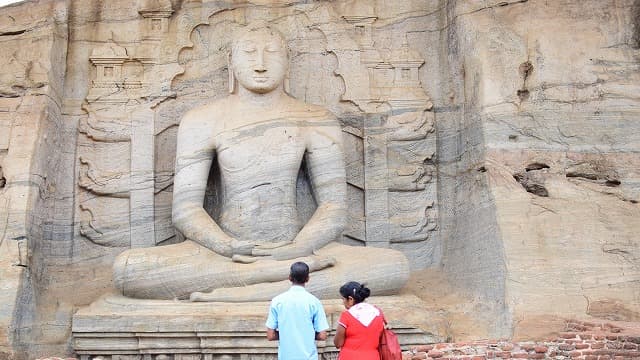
546	188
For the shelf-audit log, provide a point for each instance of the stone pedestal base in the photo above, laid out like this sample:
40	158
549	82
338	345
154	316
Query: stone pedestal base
119	328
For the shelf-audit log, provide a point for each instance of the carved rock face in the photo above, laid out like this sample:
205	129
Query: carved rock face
259	61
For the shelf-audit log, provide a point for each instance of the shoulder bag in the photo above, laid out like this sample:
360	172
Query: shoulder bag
389	347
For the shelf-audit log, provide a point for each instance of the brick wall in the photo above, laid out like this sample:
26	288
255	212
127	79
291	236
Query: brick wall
580	340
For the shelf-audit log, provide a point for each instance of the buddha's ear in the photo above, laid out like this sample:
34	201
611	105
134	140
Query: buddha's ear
285	83
232	78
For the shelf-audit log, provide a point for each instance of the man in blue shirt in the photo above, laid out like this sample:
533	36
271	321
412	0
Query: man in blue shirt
297	319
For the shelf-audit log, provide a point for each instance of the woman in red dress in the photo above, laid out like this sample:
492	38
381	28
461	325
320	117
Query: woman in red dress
360	325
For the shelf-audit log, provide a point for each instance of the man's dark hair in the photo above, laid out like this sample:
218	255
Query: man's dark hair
299	272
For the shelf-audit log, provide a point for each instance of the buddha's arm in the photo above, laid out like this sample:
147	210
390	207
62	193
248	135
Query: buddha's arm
194	155
326	170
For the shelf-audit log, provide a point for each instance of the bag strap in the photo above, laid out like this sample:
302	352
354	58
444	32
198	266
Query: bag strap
384	320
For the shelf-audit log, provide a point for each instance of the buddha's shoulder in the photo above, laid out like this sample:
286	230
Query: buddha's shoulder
310	111
205	112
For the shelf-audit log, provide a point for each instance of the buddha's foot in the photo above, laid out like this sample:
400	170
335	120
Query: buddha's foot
244	259
202	297
272	282
317	262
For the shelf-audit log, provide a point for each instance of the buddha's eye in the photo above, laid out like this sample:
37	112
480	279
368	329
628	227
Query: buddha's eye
248	47
273	47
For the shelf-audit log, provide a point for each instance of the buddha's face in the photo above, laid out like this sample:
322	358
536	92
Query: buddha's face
259	61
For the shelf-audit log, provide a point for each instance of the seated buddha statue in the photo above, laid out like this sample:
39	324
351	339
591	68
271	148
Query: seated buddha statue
259	138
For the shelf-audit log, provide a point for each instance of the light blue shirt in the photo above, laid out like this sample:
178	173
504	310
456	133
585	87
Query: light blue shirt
297	315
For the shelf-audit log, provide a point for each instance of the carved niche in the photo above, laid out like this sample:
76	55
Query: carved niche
387	118
122	199
398	133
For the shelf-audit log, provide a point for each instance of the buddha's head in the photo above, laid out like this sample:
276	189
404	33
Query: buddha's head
259	59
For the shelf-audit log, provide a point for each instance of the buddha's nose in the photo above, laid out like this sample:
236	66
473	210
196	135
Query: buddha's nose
259	66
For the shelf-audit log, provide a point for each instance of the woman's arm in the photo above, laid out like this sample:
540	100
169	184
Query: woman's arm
338	339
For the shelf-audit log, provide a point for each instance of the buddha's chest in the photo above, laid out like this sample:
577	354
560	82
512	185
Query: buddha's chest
262	148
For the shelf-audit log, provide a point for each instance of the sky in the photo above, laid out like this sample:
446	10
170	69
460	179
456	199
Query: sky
5	2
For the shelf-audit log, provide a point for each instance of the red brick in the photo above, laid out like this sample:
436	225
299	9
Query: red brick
591	357
603	352
491	354
634	339
616	330
581	346
599	337
506	347
612	337
597	345
419	356
540	349
537	356
504	354
527	347
604	357
443	346
423	348
435	353
522	355
567	335
479	357
630	346
575	354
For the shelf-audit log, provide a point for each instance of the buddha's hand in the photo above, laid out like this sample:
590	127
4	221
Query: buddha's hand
285	252
241	247
268	248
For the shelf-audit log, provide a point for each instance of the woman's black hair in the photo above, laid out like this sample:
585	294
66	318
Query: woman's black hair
356	290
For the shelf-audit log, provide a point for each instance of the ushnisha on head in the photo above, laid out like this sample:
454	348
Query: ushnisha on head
259	59
299	274
354	293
